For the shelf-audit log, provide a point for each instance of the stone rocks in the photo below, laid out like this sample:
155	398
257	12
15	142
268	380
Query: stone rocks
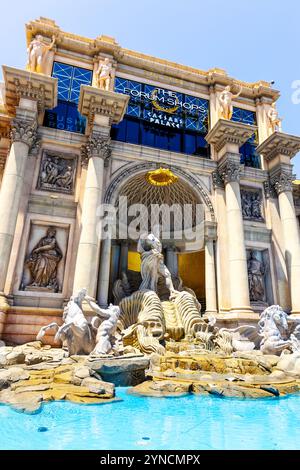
121	371
25	389
15	357
161	388
288	364
105	389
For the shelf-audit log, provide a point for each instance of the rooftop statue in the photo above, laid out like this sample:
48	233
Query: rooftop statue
225	99
275	122
104	75
37	54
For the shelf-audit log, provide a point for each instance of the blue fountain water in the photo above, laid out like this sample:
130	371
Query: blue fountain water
191	422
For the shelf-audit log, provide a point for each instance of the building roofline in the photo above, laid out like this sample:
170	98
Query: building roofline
91	48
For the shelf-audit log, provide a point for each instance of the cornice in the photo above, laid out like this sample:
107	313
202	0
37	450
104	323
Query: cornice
88	47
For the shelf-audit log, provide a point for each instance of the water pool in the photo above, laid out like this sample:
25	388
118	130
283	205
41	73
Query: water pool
191	422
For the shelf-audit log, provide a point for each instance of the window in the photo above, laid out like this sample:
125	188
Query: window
66	116
249	156
161	118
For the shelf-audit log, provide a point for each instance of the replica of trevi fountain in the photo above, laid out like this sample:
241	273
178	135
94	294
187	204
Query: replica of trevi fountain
155	340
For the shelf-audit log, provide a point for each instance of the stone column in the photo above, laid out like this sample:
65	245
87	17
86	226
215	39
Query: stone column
123	264
283	185
102	108
172	260
86	269
278	150
104	273
237	269
227	137
23	135
210	271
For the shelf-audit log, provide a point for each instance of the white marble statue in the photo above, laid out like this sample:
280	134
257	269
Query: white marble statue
75	332
225	99
104	74
275	122
37	54
106	340
152	264
274	330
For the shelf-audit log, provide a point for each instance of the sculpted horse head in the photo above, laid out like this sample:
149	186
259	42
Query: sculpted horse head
273	328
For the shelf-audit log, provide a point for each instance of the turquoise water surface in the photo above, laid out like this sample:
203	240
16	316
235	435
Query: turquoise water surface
190	422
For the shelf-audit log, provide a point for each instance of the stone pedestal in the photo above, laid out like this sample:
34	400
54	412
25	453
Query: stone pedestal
278	150
102	108
227	137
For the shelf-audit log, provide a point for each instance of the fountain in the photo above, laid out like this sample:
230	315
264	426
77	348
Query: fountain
159	345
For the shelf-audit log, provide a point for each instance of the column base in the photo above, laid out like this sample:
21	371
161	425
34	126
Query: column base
241	311
207	313
4	307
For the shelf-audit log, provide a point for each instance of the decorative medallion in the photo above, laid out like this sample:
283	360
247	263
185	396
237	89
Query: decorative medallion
161	177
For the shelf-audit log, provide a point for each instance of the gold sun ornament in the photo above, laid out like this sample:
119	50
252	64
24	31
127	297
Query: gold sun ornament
161	177
297	182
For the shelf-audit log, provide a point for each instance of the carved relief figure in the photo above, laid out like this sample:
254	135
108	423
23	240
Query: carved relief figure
225	99
152	264
104	74
251	205
256	272
57	174
275	122
43	262
37	54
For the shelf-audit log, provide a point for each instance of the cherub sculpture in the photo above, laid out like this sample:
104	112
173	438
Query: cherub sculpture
225	100
37	54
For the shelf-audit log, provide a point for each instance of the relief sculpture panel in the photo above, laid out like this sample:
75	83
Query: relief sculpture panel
57	172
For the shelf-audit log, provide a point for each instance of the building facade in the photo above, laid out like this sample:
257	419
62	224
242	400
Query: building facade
88	122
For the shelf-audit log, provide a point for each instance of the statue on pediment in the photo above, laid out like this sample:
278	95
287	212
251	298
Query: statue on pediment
275	122
225	100
104	75
37	54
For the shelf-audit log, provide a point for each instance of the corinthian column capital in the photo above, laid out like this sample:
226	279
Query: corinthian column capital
22	131
230	171
282	181
96	147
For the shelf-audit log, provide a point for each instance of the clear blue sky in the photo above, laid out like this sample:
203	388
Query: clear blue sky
251	39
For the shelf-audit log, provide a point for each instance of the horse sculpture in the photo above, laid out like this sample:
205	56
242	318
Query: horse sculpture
273	328
76	331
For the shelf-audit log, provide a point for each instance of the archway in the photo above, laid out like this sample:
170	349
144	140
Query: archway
182	258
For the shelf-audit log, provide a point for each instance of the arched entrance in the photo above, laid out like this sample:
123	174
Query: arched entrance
184	258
